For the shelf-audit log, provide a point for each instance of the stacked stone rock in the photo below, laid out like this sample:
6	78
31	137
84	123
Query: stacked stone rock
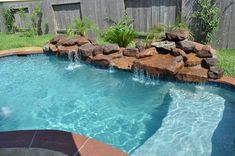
197	56
176	56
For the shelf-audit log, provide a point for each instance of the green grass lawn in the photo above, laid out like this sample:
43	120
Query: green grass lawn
8	41
226	60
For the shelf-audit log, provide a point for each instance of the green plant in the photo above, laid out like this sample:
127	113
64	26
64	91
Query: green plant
82	26
29	31
70	32
9	19
207	20
154	34
33	22
121	32
36	19
46	27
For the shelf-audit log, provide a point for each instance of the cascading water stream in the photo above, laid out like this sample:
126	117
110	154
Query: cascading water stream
74	58
111	69
141	77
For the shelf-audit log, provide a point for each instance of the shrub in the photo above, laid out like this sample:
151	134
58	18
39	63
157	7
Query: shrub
207	20
70	32
178	25
121	32
36	19
9	19
33	24
83	26
154	33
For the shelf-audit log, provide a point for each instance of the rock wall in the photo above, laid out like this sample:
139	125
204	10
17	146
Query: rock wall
174	56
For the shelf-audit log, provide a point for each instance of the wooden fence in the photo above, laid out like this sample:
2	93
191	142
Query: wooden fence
147	13
60	13
225	36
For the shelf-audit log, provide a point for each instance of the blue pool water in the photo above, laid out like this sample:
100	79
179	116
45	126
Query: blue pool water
139	116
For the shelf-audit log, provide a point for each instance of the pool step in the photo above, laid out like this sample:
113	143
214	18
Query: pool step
188	127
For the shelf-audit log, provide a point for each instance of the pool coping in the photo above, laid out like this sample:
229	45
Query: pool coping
21	51
51	139
68	143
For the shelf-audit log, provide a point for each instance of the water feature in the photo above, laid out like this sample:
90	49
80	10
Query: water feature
140	76
37	92
111	68
74	58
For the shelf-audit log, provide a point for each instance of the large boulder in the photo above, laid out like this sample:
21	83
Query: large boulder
179	59
215	73
193	60
164	46
69	42
198	46
86	50
81	40
146	53
124	63
98	50
130	52
58	38
208	62
53	48
193	74
187	46
177	35
179	52
159	64
206	52
101	60
65	50
110	48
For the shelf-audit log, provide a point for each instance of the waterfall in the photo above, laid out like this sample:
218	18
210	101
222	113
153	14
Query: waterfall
74	59
111	69
140	76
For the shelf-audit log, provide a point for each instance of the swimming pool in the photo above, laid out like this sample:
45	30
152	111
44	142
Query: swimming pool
139	116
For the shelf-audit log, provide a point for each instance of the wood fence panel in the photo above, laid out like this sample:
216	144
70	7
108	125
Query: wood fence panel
26	6
66	13
99	10
151	12
231	20
2	20
225	36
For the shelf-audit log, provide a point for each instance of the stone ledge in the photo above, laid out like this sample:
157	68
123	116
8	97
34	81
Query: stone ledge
21	51
193	74
59	141
225	80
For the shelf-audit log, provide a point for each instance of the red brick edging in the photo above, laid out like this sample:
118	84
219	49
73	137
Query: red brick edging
59	141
